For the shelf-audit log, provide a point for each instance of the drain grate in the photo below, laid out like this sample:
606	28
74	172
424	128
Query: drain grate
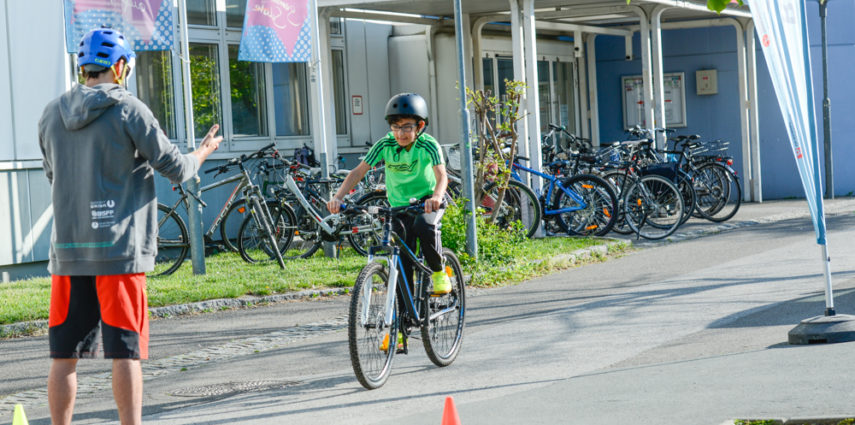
232	388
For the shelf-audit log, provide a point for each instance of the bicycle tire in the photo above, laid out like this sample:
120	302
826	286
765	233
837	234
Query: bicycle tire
598	217
615	180
173	242
232	220
690	198
371	364
253	245
307	236
362	241
442	333
724	196
517	196
653	200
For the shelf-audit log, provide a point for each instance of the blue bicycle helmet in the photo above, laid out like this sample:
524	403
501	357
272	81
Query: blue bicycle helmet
104	47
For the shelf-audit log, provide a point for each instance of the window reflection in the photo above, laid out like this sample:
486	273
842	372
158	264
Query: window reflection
155	87
249	111
205	81
290	99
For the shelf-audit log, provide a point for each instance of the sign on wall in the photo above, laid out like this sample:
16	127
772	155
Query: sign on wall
276	31
675	100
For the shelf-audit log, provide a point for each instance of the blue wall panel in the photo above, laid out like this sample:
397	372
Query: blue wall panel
717	116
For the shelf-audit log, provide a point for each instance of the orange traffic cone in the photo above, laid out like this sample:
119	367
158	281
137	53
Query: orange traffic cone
449	414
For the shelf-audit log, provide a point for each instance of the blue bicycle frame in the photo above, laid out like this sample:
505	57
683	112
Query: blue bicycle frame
554	182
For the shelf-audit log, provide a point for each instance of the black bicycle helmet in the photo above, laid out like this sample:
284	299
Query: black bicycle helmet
407	105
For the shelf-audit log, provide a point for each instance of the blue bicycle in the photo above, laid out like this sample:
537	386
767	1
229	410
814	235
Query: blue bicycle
379	326
581	205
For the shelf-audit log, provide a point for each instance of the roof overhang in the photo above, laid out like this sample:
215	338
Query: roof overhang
587	12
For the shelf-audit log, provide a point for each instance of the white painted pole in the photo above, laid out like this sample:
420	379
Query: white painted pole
194	211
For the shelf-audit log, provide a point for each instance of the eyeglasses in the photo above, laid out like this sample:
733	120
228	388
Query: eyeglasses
409	128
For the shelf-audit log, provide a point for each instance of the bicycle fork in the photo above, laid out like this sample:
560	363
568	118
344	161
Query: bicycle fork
265	222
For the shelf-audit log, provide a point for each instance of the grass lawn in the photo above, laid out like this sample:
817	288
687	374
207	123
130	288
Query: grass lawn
229	277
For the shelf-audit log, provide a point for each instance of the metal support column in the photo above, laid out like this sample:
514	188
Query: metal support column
532	91
519	67
593	97
826	105
194	210
465	145
756	187
658	76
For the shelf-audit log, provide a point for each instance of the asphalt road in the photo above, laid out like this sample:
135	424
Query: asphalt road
568	348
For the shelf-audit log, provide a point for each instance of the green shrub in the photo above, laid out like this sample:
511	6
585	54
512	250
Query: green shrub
495	245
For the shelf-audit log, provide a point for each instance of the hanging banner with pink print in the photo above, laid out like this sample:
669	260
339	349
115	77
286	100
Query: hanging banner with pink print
276	31
146	23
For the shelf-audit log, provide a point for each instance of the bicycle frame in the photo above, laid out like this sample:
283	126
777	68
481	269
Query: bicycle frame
392	245
553	183
323	222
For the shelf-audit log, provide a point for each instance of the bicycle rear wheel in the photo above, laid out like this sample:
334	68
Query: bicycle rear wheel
366	328
307	237
173	242
598	216
653	207
719	193
518	204
442	325
615	179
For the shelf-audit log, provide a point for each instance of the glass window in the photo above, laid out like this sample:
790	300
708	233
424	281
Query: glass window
290	99
205	81
155	89
564	95
544	94
336	25
235	10
339	94
201	12
249	111
489	86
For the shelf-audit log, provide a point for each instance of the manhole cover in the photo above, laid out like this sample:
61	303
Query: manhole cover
231	388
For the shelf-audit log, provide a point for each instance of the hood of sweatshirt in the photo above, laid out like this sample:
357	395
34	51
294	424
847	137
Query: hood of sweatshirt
81	105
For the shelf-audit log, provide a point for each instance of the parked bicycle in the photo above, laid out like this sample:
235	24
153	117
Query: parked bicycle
173	241
375	317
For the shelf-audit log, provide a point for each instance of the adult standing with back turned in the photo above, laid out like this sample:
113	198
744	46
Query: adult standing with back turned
101	146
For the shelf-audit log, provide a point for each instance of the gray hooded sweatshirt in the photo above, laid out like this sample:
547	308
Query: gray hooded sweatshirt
101	146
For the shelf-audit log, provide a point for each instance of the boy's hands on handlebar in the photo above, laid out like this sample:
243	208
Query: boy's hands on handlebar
334	205
433	203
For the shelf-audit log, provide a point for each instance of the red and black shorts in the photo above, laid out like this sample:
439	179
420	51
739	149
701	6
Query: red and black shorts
115	306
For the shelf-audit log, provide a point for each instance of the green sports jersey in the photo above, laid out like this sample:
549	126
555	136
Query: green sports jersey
409	174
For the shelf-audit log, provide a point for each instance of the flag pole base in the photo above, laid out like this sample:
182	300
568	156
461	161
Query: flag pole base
823	330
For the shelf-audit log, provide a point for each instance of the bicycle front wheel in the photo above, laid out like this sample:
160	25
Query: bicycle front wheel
599	214
254	245
173	242
231	222
367	329
653	207
442	328
518	204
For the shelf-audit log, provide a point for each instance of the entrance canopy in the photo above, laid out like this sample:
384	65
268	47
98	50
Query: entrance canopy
682	10
584	20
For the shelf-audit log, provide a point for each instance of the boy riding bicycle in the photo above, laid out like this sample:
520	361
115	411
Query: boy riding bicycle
415	168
